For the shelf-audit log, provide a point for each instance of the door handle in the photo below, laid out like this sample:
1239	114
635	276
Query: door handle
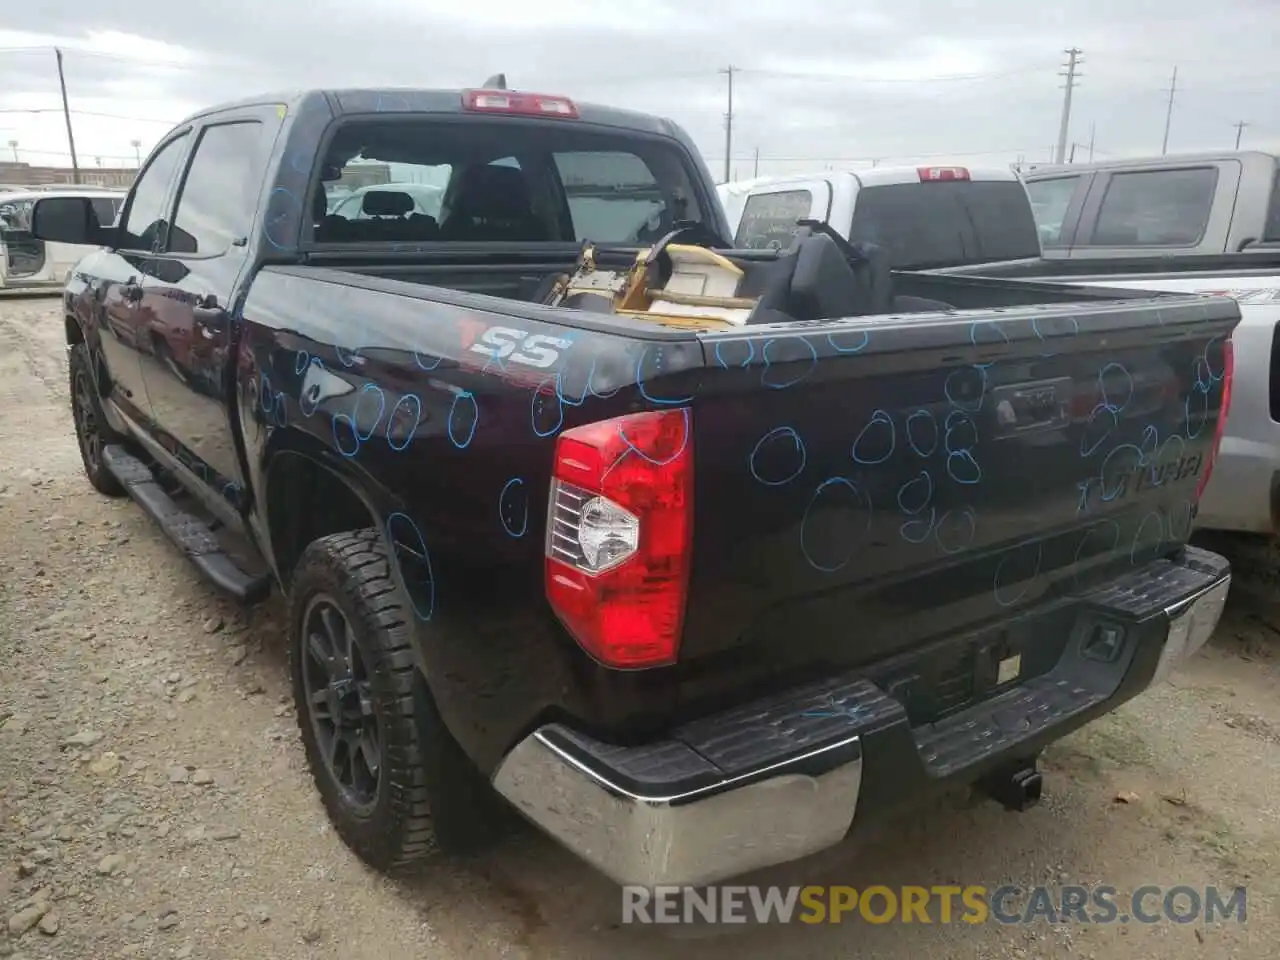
211	320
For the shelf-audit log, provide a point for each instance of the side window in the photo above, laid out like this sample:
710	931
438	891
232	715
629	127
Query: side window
1271	230
1049	202
147	210
220	191
1156	208
769	219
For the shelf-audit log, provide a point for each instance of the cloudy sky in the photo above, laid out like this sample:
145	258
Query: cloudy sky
821	83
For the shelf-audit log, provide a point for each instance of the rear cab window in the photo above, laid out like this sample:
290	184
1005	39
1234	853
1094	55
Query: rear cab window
947	223
483	180
1050	199
1155	208
769	219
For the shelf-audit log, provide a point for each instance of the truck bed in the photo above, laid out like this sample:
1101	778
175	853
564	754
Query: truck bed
994	460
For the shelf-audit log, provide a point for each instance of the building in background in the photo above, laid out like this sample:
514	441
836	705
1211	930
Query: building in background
29	175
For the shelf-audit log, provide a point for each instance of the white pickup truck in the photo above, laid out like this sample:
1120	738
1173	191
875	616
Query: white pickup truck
924	217
964	221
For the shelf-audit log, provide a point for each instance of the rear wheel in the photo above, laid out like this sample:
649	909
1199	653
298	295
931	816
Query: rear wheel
367	735
92	430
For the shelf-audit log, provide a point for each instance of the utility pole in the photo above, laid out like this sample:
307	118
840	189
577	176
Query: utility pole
1168	115
66	113
1239	131
755	170
1073	61
728	71
1093	128
137	151
13	145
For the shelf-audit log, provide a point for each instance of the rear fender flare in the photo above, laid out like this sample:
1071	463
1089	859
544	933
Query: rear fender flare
379	504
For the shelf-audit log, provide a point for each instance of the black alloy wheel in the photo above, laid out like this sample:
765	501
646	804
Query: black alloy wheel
339	694
92	430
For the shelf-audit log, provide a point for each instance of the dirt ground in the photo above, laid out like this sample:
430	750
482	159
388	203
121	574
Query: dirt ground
154	801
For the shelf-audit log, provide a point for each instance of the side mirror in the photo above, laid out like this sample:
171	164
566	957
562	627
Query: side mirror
68	220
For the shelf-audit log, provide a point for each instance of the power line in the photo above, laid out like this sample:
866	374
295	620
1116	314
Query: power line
1168	114
90	113
854	78
1073	61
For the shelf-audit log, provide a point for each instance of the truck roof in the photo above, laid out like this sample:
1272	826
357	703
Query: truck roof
1129	163
367	100
866	177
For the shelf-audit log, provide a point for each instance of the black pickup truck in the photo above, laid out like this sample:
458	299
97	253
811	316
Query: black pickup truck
697	556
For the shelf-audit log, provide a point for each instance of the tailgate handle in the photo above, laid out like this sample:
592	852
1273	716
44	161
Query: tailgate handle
1032	407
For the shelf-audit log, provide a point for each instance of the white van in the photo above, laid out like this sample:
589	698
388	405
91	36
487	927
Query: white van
30	264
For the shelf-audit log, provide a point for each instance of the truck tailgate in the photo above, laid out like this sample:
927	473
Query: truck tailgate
866	486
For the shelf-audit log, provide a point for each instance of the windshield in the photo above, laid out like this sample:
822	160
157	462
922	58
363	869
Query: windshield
947	223
497	181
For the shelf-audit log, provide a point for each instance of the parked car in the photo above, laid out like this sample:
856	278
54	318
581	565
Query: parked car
27	263
699	557
1186	205
923	217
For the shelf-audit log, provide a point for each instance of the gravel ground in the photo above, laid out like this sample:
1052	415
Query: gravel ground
154	802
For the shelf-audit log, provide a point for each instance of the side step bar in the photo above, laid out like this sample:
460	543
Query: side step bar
191	534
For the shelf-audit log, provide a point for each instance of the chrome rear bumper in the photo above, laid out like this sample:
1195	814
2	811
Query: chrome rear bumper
571	786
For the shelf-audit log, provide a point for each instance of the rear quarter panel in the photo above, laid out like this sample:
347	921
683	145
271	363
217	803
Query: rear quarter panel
452	447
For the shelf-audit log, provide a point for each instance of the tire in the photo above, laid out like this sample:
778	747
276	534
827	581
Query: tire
384	816
92	430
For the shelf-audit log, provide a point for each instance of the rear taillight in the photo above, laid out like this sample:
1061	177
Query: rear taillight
526	104
1220	425
942	173
619	534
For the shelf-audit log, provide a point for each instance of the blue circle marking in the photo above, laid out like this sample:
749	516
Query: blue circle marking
371	390
769	363
412	407
777	439
863	338
964	519
462	401
881	419
426	362
514	500
418	547
834	485
998	587
642	384
538	406
952	385
751	353
917	445
308	406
